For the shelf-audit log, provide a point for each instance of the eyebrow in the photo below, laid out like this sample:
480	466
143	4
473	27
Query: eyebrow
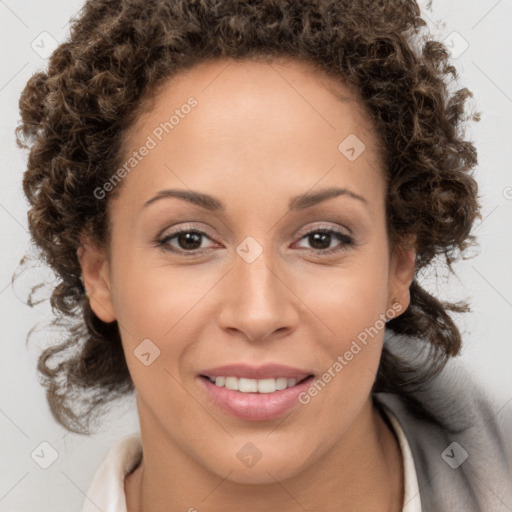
211	203
312	198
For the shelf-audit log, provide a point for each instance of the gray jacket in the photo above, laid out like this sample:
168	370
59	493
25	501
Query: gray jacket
463	457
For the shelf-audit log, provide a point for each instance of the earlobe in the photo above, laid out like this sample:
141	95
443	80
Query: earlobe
96	279
402	274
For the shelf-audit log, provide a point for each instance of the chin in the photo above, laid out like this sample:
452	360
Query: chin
263	474
247	464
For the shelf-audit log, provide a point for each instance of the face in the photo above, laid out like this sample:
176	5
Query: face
269	270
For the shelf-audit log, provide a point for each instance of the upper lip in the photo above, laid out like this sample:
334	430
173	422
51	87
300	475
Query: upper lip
268	371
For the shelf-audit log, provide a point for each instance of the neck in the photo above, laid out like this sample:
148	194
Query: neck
364	467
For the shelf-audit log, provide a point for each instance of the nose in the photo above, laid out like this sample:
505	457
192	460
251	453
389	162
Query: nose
259	300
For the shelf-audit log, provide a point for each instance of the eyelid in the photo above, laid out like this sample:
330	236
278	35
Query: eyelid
183	227
323	226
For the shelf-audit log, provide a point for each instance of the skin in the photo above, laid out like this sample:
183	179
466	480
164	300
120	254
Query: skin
260	134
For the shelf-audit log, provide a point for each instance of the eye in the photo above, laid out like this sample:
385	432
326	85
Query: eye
190	240
322	238
187	240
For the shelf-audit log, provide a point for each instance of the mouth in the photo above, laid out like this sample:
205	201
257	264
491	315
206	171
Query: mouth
255	394
245	385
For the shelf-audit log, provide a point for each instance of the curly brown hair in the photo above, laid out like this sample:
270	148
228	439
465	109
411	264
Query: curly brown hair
76	115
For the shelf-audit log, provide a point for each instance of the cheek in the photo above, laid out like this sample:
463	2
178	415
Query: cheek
154	314
349	303
149	301
169	306
348	298
164	306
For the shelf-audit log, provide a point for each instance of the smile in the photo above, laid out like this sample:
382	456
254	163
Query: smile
245	385
254	399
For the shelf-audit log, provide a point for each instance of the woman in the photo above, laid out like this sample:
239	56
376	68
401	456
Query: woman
238	199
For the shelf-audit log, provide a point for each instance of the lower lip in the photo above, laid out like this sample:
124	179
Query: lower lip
256	406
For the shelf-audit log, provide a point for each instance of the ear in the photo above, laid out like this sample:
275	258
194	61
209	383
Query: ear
96	278
402	266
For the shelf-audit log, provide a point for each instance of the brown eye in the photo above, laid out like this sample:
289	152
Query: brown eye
320	240
187	240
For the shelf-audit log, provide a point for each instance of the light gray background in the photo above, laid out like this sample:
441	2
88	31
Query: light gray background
485	67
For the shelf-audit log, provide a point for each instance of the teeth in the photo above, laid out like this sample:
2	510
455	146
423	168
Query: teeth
281	383
253	385
231	383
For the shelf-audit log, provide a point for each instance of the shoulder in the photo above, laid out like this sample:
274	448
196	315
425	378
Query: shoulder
459	450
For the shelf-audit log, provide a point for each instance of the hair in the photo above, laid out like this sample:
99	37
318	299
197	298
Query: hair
76	115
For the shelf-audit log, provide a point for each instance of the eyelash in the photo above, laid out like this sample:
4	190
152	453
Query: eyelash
347	241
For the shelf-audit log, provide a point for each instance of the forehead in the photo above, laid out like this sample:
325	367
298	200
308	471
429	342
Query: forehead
248	85
281	123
